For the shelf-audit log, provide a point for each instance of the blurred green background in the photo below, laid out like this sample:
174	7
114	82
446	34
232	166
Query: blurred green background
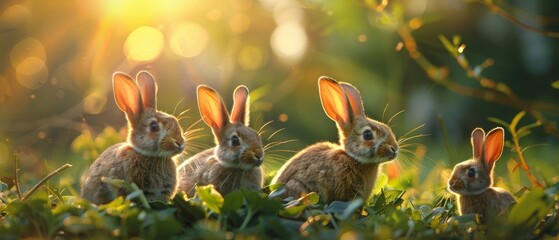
58	57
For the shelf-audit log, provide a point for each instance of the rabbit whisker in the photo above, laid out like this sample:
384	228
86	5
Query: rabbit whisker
384	112
412	130
177	105
275	144
395	115
274	133
260	131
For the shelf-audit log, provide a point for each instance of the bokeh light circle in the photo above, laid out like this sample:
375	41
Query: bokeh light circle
188	39
144	44
32	73
239	23
251	58
26	48
15	16
289	42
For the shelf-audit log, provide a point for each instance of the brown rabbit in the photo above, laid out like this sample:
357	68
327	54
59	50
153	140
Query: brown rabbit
146	157
471	180
236	159
348	170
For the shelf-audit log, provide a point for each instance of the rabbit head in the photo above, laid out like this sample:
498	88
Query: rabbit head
150	132
475	176
238	146
362	138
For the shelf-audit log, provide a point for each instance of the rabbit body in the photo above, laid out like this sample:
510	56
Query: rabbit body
236	160
492	201
204	169
471	181
156	176
335	174
146	158
348	170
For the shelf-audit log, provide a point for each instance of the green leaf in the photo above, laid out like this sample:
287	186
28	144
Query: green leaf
233	201
530	208
555	84
446	43
525	130
499	121
516	120
210	197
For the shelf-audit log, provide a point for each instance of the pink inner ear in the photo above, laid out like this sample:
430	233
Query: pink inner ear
478	136
493	146
127	95
212	109
334	101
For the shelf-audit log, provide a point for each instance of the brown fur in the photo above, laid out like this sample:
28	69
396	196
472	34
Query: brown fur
474	193
348	170
491	202
338	176
146	158
204	169
156	176
226	166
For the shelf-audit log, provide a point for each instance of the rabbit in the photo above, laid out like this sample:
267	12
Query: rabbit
344	171
146	158
471	181
235	162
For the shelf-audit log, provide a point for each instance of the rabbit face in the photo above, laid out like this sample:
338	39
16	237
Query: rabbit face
157	134
240	147
370	141
469	178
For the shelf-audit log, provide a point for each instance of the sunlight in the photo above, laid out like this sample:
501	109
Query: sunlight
32	73
144	44
26	48
289	42
188	39
239	23
251	58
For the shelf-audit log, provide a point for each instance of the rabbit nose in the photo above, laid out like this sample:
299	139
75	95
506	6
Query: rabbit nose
179	145
258	157
393	151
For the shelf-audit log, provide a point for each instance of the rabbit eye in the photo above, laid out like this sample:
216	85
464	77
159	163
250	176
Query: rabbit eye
368	135
154	127
471	172
235	141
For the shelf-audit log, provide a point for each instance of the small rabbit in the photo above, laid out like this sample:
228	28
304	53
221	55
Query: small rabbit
146	158
236	159
346	170
471	180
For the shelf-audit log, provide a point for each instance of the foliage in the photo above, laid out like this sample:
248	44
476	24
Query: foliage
244	213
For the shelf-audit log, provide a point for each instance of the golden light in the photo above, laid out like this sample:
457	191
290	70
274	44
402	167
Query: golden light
214	15
26	48
94	103
144	44
288	11
15	15
32	73
362	38
188	39
251	58
239	23
289	42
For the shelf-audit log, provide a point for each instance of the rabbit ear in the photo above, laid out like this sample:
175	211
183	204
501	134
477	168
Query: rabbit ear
127	96
148	89
334	101
493	146
478	135
212	109
354	98
241	104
